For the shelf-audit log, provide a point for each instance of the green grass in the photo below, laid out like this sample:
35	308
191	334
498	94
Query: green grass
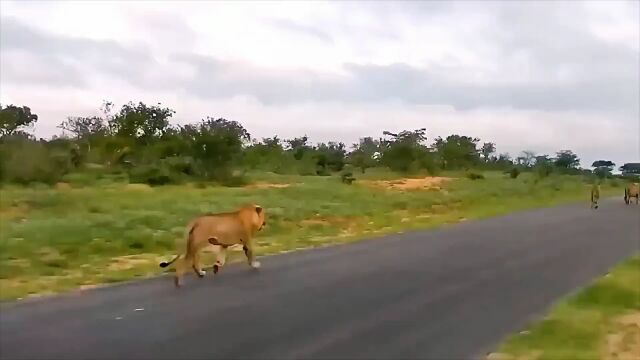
58	238
602	321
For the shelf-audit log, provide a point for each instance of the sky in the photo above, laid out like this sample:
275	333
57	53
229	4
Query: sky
541	76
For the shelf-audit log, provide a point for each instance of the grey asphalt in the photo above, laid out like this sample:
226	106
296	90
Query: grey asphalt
450	293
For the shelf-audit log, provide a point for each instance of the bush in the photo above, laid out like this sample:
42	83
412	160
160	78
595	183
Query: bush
347	178
25	161
153	174
543	170
514	173
180	165
474	176
232	179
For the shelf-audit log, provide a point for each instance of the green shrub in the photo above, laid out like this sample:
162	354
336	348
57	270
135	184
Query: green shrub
514	173
26	161
474	175
180	164
232	178
153	174
347	177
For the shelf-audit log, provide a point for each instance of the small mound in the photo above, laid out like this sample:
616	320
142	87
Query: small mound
427	183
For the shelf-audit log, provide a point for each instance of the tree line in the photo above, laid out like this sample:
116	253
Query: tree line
139	141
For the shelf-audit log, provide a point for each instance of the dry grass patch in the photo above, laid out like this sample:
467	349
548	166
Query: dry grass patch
14	212
132	261
267	186
427	183
623	342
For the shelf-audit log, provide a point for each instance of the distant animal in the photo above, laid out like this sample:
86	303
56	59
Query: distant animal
223	230
595	195
631	190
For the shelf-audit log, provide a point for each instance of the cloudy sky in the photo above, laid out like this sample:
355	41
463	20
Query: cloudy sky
542	75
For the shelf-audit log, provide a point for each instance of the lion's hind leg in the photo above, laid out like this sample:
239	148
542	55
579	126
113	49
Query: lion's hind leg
221	258
196	265
181	269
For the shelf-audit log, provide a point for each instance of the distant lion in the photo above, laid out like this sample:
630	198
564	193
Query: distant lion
631	190
595	195
223	230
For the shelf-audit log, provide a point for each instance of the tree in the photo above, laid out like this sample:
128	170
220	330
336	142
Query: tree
406	151
141	122
487	150
215	144
504	161
566	160
14	118
527	158
298	146
330	156
362	155
630	168
603	168
543	165
457	151
83	127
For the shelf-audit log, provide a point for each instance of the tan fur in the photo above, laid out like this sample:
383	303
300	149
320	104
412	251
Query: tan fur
595	195
631	190
221	230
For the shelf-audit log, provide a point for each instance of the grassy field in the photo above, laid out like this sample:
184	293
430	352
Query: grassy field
602	321
59	238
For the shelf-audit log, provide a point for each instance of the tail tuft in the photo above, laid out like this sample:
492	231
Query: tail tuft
164	264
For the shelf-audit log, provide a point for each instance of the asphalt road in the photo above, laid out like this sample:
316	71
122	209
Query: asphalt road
451	293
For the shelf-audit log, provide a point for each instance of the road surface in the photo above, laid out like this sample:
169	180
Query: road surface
451	293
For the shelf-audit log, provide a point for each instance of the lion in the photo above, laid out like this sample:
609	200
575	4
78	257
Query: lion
631	190
595	195
222	230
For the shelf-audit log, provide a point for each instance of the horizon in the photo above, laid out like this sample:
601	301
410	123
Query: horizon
540	76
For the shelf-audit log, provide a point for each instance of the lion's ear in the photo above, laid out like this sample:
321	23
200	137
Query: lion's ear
258	209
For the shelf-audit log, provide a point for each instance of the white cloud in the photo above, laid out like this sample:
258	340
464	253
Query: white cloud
527	75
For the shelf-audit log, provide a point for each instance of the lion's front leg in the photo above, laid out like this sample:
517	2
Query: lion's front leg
250	254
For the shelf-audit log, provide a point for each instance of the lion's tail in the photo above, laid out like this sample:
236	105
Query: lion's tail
188	236
164	264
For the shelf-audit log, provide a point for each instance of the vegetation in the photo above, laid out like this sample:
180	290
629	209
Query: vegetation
108	198
601	321
140	143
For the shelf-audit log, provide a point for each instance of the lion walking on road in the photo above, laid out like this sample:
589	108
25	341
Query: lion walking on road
595	195
631	190
222	230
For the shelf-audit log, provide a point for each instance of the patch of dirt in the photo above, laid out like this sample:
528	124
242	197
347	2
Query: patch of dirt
14	212
49	254
267	186
63	186
89	287
21	263
501	356
348	225
427	183
313	221
623	342
130	261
